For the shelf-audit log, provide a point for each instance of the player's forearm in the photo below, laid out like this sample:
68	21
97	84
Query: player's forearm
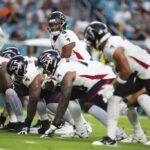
66	89
62	107
31	110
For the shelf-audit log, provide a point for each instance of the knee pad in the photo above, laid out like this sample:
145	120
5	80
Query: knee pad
141	97
10	92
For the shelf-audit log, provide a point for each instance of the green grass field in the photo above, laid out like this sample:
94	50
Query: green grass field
12	141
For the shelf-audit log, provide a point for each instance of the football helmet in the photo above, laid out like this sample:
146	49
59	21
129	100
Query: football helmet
17	66
48	61
96	33
56	23
10	52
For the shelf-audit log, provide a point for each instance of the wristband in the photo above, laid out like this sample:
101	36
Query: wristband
121	81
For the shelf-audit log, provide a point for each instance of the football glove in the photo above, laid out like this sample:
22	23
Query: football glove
49	132
48	84
107	92
24	131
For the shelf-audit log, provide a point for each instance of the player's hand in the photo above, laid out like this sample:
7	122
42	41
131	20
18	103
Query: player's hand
107	92
50	132
24	131
48	84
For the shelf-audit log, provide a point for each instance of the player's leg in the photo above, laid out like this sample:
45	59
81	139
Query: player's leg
132	115
15	104
41	110
139	136
52	107
68	126
113	110
12	124
74	120
5	84
42	118
97	108
86	124
144	98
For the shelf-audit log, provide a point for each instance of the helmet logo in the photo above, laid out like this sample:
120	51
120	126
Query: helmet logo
102	31
46	58
7	55
14	66
90	33
18	68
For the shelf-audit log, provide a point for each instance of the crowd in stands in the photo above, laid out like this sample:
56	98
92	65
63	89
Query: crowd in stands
132	18
26	19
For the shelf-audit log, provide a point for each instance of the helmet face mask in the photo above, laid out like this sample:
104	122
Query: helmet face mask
56	23
22	69
54	27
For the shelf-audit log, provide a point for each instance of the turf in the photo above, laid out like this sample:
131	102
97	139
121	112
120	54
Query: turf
12	141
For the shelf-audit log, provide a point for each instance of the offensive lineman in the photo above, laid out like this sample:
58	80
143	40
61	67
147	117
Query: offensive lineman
75	75
13	104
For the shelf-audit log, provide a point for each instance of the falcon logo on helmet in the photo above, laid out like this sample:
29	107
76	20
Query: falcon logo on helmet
48	61
17	66
10	52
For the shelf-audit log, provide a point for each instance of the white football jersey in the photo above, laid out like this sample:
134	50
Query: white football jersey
32	72
2	59
88	73
66	37
138	58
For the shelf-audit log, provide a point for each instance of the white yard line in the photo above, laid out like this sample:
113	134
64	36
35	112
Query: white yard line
30	142
2	148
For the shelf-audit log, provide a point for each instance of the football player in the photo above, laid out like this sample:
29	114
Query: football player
63	40
76	77
24	72
12	102
129	59
27	79
68	45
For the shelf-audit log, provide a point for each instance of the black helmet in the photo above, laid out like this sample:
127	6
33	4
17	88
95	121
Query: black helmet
10	52
17	66
56	22
49	60
96	33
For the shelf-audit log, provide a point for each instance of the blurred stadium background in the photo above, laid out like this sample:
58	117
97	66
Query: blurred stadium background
23	20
